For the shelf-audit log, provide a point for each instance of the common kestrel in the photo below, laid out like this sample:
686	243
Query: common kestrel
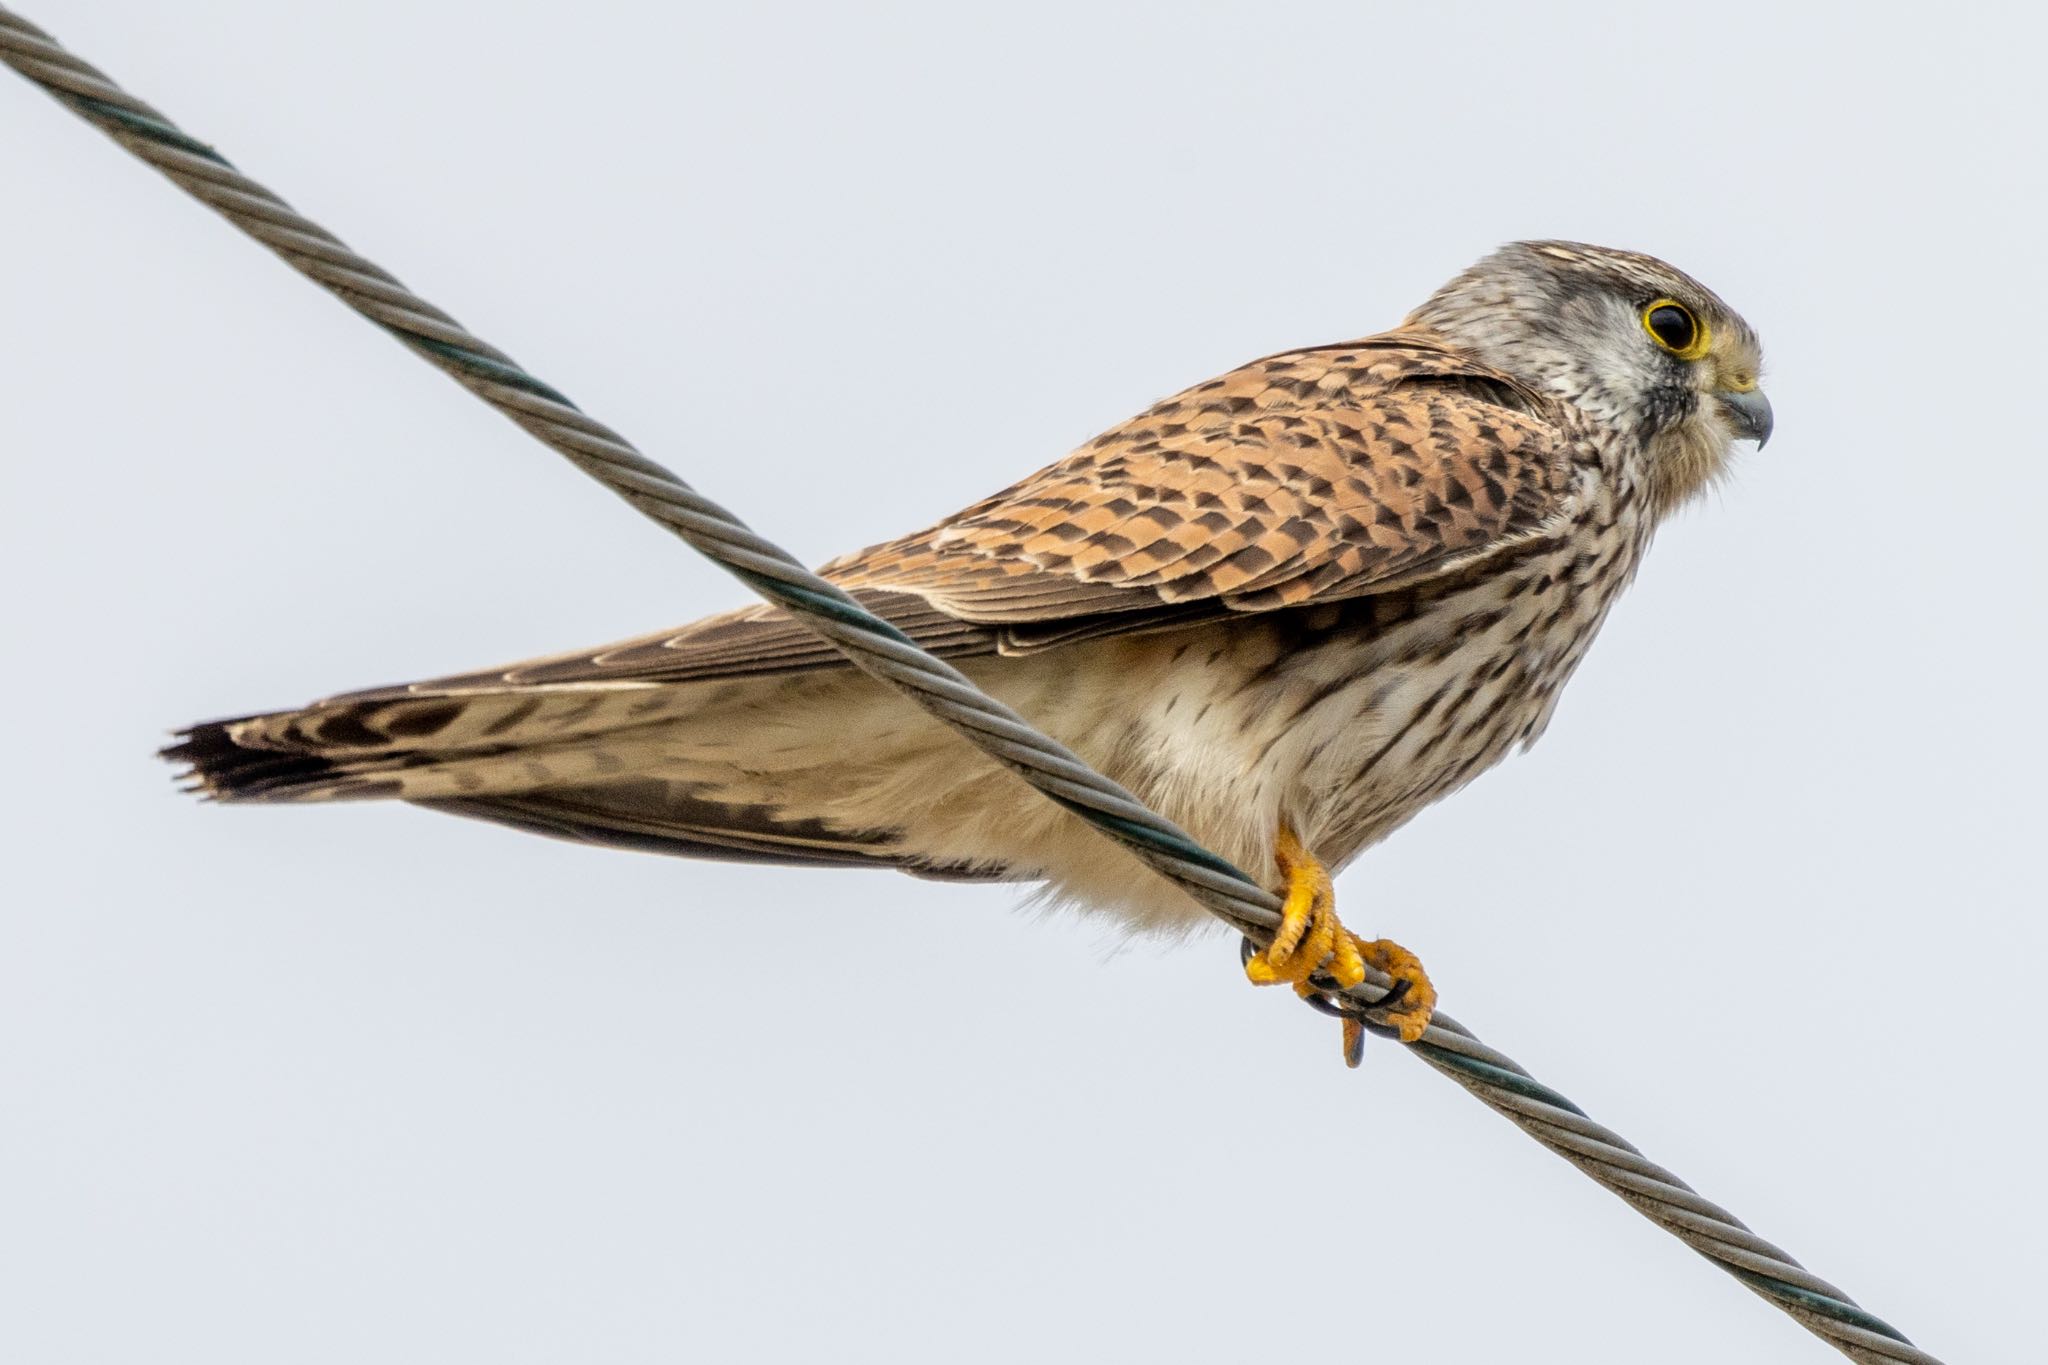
1288	608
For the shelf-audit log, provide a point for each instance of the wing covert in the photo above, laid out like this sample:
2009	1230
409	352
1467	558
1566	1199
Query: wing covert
1306	476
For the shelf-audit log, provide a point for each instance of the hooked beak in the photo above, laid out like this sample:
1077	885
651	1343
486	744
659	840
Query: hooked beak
1749	412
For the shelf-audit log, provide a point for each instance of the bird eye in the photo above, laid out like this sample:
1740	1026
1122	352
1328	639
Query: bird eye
1672	326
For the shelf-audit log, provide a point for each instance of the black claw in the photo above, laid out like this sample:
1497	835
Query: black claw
1395	994
1339	1008
1325	1005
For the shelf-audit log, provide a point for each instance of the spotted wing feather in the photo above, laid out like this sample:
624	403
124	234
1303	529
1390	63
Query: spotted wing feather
1312	475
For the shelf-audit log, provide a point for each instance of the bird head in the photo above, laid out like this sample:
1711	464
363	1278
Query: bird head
1639	346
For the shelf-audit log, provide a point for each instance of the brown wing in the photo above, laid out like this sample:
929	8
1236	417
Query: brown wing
1306	476
1312	475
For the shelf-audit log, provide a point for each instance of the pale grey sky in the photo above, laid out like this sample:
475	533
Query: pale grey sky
336	1085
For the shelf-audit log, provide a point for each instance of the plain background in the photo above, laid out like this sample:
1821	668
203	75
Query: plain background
317	1085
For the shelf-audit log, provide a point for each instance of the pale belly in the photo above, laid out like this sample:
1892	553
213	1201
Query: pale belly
1342	722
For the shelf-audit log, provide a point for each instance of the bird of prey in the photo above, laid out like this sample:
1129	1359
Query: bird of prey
1288	608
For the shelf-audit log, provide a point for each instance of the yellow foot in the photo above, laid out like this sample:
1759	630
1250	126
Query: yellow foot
1410	1015
1310	934
1311	938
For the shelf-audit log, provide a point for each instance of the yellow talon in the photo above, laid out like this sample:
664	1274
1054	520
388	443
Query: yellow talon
1311	938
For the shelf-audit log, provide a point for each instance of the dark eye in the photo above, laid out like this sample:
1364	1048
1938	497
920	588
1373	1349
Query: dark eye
1675	329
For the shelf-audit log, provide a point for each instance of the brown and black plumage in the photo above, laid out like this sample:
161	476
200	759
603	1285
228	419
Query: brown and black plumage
1288	607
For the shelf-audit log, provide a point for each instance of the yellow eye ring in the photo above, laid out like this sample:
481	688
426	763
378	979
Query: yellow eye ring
1674	328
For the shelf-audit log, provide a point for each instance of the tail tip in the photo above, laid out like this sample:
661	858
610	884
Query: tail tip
214	766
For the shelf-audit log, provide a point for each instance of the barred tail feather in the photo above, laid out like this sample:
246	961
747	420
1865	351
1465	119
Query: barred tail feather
419	745
574	764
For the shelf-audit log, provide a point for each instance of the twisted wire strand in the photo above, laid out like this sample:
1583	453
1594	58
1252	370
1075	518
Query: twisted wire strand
882	651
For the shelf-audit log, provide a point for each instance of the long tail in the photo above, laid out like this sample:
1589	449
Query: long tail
421	745
569	762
